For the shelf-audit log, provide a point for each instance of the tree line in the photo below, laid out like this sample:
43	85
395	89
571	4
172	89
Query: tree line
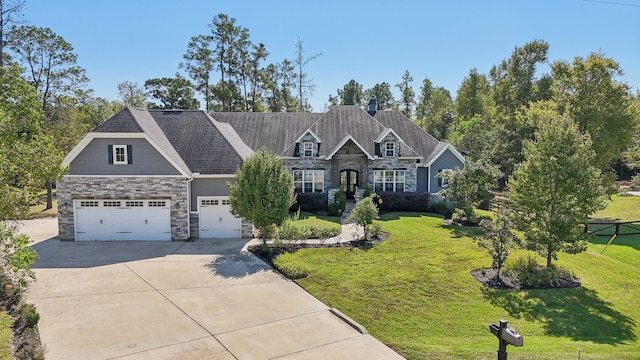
494	114
243	83
490	118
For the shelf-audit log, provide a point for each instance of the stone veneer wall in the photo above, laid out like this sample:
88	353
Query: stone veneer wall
70	188
410	173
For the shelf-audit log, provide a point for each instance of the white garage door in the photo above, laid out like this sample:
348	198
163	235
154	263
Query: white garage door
216	220
122	220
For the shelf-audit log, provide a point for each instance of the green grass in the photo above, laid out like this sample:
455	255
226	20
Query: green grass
415	293
313	217
620	208
38	211
5	336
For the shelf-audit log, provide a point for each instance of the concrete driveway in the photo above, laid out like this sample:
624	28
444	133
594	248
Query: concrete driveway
180	300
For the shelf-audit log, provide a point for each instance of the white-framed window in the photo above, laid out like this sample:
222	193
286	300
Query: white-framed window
119	154
390	149
388	180
308	180
308	149
209	202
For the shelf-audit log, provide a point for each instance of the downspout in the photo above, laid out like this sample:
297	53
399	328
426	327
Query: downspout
189	180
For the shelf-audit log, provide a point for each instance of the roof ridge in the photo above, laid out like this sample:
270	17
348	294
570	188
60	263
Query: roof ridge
239	146
155	134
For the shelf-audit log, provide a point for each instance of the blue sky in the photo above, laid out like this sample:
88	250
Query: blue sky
368	41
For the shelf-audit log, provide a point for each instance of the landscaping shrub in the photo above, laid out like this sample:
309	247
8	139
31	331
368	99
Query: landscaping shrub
527	270
635	182
403	201
367	191
323	230
375	228
442	208
294	229
291	266
341	198
311	202
291	230
334	209
29	314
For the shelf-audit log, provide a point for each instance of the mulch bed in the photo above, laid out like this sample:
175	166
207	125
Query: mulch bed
487	277
291	247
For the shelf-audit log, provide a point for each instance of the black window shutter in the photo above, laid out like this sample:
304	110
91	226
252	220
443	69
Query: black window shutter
318	152
439	178
378	152
110	151
129	154
296	152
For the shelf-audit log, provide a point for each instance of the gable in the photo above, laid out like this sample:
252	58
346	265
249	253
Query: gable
144	159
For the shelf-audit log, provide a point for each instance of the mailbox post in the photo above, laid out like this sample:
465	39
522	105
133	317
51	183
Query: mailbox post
506	336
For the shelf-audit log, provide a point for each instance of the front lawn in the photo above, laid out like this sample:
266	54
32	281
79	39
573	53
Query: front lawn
5	336
37	210
414	292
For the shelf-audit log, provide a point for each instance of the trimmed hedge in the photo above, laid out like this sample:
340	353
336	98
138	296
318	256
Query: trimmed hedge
310	202
403	201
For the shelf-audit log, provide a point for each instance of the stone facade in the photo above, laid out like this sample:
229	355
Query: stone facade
408	165
350	157
80	187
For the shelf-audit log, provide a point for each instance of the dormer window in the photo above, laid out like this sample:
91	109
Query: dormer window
390	149
307	149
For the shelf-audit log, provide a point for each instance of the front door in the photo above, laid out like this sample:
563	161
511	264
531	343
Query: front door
349	182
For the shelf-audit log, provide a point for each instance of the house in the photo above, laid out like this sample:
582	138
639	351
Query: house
162	174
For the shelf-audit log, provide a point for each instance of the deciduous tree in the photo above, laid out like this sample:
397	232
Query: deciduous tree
132	94
364	212
589	92
470	185
262	192
434	110
499	239
556	188
172	93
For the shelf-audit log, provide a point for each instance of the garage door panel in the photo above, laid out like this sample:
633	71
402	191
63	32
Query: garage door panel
112	220
216	220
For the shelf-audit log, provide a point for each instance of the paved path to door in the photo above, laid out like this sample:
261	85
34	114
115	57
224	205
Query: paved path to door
179	300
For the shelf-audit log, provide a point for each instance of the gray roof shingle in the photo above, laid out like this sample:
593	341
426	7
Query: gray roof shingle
200	143
274	131
122	122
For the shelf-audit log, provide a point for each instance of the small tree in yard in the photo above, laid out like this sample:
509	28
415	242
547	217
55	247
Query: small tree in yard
471	185
262	192
557	188
499	239
364	212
